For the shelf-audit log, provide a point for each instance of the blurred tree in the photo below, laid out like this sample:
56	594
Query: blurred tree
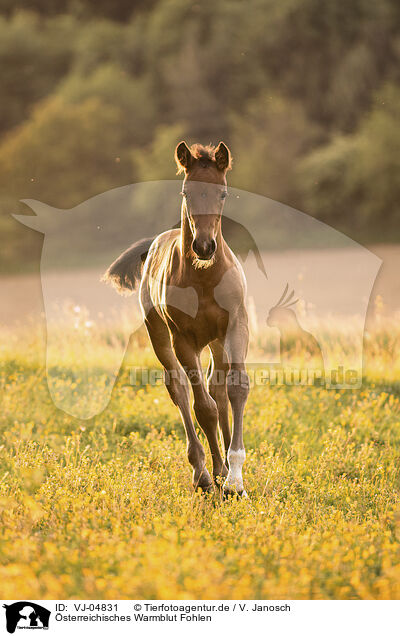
377	168
306	44
131	96
191	99
117	10
205	59
65	153
354	80
355	180
326	185
156	161
103	42
33	57
268	141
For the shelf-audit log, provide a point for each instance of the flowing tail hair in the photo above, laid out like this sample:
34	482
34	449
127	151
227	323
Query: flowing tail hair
125	272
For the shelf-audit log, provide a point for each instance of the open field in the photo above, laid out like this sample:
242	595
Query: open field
22	294
103	508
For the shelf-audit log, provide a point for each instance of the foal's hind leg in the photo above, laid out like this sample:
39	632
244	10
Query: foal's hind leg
216	378
178	388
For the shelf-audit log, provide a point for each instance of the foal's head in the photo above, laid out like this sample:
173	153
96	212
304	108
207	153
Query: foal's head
204	191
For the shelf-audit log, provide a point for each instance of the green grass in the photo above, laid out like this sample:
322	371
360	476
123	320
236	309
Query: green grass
103	508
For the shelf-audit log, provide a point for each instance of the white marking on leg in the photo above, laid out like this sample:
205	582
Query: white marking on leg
234	480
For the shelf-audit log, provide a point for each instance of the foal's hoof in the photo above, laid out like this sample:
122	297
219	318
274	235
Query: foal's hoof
232	493
203	482
208	490
220	479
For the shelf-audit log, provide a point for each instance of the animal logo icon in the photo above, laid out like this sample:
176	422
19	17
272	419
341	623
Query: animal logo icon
295	342
26	615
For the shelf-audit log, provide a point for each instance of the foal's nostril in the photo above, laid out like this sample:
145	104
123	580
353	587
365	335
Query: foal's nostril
204	249
195	247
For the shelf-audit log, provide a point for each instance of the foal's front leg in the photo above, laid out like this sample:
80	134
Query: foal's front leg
178	388
216	381
236	344
205	407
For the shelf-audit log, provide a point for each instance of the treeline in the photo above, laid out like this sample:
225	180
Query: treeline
306	93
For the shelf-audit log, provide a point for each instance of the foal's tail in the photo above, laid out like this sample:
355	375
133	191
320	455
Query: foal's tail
124	274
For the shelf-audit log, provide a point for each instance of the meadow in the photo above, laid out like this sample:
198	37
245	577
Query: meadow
104	508
95	96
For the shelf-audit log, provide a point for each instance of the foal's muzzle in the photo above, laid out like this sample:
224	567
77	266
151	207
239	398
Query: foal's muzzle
204	249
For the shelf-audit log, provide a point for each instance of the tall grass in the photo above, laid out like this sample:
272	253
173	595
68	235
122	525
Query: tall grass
103	508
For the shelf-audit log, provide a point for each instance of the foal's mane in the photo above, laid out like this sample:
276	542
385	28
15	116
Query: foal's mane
203	152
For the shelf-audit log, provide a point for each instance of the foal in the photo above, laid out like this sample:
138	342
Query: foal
192	295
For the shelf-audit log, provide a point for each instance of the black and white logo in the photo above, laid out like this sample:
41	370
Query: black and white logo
26	615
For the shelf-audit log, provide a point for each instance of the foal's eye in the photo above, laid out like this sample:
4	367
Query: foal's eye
224	195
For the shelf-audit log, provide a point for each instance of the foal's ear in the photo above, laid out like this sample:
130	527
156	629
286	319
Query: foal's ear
183	157
223	157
